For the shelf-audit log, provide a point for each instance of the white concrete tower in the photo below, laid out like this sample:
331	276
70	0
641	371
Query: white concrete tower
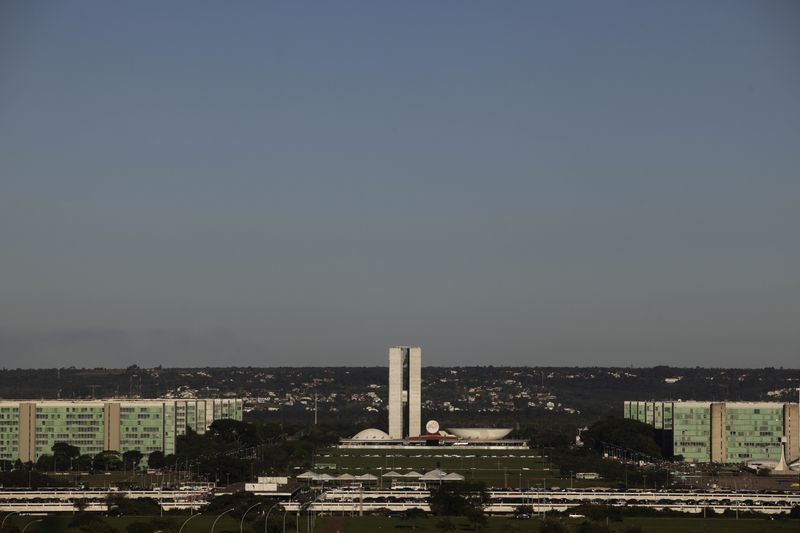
396	357
414	392
405	391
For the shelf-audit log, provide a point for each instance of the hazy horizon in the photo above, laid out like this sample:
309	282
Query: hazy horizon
546	184
582	367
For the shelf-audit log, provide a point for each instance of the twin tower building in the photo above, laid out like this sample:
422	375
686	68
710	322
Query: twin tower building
405	392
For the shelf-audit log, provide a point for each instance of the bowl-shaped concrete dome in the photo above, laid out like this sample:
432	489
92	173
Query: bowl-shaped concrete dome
371	434
480	433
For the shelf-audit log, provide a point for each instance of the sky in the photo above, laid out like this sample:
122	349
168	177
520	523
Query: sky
309	183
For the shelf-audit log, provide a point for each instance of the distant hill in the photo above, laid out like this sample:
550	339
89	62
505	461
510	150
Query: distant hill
498	395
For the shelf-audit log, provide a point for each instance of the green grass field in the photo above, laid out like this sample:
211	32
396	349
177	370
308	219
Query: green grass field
367	524
510	525
497	468
200	524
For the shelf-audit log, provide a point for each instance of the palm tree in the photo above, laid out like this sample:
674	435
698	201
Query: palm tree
80	505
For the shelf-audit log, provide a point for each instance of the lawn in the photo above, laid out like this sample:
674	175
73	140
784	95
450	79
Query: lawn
199	524
366	524
510	525
497	468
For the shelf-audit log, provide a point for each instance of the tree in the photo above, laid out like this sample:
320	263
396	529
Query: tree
64	455
415	512
132	457
455	499
234	431
45	462
84	462
107	460
156	459
137	506
476	517
447	503
80	505
523	511
627	433
115	500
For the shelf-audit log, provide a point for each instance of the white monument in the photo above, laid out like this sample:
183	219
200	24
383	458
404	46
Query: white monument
405	391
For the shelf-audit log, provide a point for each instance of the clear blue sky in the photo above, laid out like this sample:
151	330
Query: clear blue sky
292	183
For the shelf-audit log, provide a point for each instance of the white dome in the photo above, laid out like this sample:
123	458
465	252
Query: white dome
371	434
480	433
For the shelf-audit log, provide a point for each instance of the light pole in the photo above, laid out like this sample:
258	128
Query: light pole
223	513
3	523
184	522
241	522
284	520
266	519
29	524
300	512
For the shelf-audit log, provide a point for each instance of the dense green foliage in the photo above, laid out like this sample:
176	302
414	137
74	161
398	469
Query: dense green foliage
631	434
65	455
132	458
232	451
457	499
108	461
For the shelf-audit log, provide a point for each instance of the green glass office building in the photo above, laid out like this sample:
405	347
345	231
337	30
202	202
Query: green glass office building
721	432
29	429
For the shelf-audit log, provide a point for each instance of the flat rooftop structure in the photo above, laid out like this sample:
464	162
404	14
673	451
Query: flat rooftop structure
423	442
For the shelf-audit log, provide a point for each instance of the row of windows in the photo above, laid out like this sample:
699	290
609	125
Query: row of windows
67	409
145	429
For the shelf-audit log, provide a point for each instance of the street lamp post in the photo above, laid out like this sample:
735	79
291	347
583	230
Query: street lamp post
3	523
184	522
284	519
223	513
30	523
300	512
266	519
241	522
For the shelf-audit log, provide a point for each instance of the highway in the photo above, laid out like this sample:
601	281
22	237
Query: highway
506	502
46	501
356	500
